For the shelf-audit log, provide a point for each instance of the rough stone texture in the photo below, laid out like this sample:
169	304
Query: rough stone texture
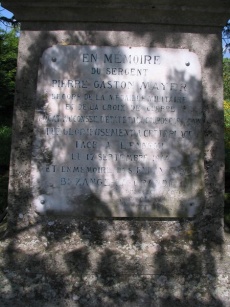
109	263
112	261
48	261
182	12
32	45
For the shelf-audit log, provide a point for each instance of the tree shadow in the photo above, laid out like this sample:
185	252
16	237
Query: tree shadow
66	260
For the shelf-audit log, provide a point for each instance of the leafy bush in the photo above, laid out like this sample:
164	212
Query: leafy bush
8	65
227	134
226	78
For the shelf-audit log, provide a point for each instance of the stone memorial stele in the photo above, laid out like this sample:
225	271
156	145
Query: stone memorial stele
116	188
118	132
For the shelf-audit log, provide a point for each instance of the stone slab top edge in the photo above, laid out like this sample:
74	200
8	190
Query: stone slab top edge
180	12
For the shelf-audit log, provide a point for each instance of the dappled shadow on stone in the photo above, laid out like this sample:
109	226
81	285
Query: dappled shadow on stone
114	267
78	261
165	264
67	261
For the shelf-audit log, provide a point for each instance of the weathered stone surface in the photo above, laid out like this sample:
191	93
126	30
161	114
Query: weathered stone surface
58	261
100	263
118	132
182	12
21	186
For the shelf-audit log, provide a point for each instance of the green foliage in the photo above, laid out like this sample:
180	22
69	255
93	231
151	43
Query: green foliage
227	134
8	64
226	76
226	79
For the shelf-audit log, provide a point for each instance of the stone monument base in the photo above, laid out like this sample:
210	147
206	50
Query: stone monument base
110	206
109	263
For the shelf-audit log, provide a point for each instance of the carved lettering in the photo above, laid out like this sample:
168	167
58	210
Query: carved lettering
118	131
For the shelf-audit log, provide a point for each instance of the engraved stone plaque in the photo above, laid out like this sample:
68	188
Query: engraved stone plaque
118	132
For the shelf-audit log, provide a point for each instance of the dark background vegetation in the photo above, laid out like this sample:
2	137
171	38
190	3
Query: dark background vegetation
8	64
226	75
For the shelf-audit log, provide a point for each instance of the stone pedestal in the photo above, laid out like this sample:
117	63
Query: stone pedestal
116	187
